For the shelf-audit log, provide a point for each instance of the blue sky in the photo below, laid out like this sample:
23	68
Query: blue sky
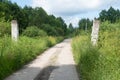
22	3
71	10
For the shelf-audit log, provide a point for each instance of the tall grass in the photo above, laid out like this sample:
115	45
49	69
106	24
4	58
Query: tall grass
101	62
13	55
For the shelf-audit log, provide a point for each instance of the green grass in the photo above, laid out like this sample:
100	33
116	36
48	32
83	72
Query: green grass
13	55
101	62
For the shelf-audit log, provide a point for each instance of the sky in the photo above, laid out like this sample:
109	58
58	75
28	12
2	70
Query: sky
71	10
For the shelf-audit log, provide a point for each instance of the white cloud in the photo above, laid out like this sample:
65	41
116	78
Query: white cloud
67	7
71	10
73	19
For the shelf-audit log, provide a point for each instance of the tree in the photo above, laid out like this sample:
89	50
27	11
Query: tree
29	16
103	15
62	25
51	31
85	24
71	29
40	17
111	15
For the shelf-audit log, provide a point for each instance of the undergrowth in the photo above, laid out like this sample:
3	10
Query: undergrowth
101	62
13	55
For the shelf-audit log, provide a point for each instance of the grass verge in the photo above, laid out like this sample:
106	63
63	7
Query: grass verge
13	55
101	62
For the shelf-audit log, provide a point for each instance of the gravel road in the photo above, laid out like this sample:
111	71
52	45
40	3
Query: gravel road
56	63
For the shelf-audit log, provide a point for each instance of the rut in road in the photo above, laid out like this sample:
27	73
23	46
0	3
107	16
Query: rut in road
57	63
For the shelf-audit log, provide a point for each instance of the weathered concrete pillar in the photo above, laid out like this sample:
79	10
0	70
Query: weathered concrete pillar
95	31
14	30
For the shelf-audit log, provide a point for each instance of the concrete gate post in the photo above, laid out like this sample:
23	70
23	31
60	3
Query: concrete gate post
95	31
14	30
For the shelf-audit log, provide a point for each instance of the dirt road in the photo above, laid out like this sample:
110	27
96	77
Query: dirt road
54	64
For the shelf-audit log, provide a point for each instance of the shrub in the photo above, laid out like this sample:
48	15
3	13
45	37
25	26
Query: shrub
33	31
5	28
51	30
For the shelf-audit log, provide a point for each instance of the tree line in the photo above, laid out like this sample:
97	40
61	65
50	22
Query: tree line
112	15
28	16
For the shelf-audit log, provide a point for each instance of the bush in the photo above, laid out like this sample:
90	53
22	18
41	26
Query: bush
51	31
5	28
33	31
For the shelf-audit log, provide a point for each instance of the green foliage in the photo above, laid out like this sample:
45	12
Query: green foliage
70	28
29	16
13	55
33	31
99	62
109	37
5	28
111	15
11	11
49	29
85	24
49	23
